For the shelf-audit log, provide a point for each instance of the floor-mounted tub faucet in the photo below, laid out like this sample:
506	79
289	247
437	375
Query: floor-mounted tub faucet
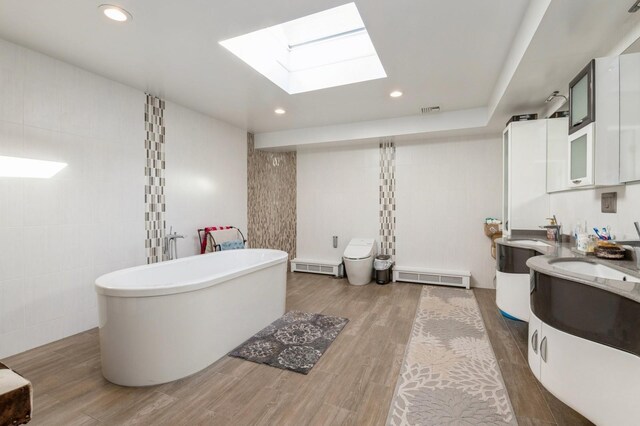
171	244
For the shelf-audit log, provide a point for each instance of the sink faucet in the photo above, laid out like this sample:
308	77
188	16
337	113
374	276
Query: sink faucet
637	225
171	244
553	225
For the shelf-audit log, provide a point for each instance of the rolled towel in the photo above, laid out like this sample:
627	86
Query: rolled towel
232	245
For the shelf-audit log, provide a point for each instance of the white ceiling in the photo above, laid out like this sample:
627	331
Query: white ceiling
447	53
570	35
481	61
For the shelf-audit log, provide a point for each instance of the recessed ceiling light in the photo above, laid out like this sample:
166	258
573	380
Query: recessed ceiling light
115	13
395	94
279	111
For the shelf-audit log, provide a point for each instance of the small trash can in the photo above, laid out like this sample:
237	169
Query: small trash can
382	265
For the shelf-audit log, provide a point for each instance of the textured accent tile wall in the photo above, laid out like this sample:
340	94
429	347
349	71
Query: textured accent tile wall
271	184
388	197
154	200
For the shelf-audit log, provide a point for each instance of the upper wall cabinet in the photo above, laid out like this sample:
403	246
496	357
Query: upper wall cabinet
582	98
593	149
630	117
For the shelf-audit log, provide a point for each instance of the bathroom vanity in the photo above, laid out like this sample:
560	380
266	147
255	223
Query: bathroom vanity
584	334
512	274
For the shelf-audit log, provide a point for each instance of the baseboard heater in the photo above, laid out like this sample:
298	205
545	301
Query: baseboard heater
324	267
432	276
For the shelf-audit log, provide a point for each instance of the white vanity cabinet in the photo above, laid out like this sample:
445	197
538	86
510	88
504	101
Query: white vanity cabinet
599	382
630	117
525	201
535	329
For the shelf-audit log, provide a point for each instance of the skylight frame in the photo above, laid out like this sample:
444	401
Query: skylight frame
321	60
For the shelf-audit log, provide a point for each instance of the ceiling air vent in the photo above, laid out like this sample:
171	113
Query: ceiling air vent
427	110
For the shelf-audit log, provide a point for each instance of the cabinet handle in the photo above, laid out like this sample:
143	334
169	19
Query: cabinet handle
577	181
534	342
543	349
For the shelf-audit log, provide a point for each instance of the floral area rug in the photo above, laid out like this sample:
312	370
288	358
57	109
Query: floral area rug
295	342
449	375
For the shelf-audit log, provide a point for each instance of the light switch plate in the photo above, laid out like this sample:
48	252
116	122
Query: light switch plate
609	202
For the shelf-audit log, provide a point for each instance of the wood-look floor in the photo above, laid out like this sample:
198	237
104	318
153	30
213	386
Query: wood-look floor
532	403
352	383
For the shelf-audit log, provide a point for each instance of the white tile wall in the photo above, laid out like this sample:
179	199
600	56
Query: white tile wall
337	194
206	175
57	235
572	207
444	191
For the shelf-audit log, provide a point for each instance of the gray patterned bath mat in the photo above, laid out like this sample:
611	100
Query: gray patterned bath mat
295	342
449	375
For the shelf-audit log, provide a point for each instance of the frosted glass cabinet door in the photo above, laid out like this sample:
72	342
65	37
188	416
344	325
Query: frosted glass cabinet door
630	117
581	157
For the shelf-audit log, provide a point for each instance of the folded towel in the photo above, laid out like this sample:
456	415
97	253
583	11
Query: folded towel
205	240
232	245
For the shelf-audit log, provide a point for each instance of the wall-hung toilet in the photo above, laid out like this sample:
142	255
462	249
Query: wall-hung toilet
358	260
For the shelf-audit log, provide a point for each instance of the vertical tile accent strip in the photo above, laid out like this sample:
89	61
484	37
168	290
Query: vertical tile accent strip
154	201
271	191
388	197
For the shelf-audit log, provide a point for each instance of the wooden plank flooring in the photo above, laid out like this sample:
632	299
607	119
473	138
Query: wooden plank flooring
532	403
352	384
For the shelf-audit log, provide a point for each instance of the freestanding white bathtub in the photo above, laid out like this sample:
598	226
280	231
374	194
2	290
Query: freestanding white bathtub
165	321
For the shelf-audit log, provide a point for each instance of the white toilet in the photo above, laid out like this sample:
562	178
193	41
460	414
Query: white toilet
358	260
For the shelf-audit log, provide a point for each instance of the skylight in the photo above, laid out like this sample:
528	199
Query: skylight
326	49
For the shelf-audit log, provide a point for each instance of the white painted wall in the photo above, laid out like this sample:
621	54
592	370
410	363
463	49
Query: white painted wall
572	207
57	235
445	189
206	175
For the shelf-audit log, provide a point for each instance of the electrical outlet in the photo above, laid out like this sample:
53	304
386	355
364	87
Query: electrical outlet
609	202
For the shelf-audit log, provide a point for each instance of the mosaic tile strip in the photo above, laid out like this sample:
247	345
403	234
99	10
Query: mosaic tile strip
271	209
154	200
450	375
388	197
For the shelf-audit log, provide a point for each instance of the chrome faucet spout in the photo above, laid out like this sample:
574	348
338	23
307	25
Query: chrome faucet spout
637	225
554	225
171	245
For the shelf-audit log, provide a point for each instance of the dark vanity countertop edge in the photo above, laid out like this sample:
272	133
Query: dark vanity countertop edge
563	250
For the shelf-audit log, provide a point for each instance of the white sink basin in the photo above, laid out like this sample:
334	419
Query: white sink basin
530	243
595	270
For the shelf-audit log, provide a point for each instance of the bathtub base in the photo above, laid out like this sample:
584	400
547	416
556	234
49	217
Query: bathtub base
147	341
